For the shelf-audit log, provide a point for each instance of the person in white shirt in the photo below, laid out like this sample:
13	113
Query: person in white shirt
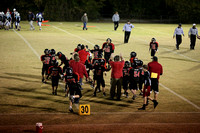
127	28
192	34
178	33
115	19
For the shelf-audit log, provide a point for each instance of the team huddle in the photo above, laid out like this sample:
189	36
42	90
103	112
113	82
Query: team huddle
93	65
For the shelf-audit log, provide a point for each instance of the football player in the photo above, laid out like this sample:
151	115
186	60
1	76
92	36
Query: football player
99	69
39	18
153	46
134	75
147	87
18	19
96	51
133	59
126	77
141	80
55	72
108	48
46	64
72	79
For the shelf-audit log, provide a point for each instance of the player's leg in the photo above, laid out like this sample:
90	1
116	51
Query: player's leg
133	88
119	88
97	87
154	86
103	87
112	88
43	71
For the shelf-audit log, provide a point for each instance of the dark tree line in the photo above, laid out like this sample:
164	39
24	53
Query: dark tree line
186	11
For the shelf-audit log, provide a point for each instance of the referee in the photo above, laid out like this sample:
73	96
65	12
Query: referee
127	28
178	33
193	33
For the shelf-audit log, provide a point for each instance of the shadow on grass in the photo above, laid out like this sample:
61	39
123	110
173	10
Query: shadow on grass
39	98
16	78
24	75
179	59
29	106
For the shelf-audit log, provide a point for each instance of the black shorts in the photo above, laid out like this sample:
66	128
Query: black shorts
45	69
153	52
141	82
133	85
94	77
75	91
154	85
100	81
125	83
55	81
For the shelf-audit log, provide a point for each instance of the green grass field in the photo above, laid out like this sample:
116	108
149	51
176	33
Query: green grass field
22	92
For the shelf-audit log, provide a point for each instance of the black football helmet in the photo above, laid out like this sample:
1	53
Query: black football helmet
46	51
79	46
153	39
127	64
108	39
96	47
59	53
82	46
69	71
52	52
133	54
140	63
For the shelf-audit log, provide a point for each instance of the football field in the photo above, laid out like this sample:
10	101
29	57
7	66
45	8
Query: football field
25	100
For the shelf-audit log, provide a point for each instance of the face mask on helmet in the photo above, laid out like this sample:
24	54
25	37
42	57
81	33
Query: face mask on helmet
46	51
69	71
127	64
52	52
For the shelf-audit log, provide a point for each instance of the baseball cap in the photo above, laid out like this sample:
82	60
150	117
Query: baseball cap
179	24
194	24
155	58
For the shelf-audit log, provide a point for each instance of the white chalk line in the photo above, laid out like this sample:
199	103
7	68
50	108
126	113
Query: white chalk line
183	98
29	45
160	46
73	35
194	105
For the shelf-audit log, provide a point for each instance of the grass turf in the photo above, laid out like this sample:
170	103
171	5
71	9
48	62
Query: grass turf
21	90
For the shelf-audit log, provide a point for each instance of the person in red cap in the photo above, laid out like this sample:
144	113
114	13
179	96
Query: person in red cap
155	70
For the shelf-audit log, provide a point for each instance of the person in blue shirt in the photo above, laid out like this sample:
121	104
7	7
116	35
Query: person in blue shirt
127	28
115	19
178	33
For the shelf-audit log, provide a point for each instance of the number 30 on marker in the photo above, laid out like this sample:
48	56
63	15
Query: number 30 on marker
84	109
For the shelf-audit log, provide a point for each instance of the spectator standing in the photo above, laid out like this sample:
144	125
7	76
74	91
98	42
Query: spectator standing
115	19
84	19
